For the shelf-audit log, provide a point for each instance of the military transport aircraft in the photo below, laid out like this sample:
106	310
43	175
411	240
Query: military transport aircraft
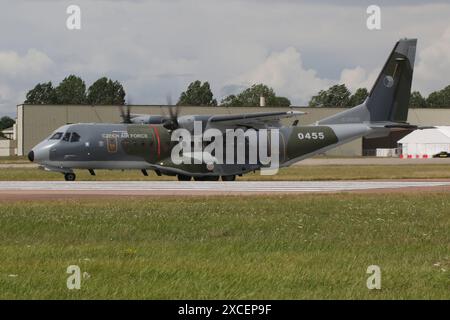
143	142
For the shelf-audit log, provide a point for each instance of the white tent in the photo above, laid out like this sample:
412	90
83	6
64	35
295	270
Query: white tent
425	143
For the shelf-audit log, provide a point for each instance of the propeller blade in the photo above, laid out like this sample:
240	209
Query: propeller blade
128	113
125	112
122	112
172	123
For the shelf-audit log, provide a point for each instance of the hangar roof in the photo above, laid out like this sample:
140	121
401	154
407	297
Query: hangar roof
439	134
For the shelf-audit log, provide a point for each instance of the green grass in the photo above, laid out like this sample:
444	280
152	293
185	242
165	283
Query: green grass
291	247
328	172
14	160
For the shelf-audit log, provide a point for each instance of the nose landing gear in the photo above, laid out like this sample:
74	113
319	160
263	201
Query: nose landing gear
69	176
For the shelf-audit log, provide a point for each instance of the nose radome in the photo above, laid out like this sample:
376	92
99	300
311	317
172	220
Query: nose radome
31	156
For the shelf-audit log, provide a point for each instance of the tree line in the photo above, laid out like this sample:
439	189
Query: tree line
104	91
436	99
200	94
72	90
338	96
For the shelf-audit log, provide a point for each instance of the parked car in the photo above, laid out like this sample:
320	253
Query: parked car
442	154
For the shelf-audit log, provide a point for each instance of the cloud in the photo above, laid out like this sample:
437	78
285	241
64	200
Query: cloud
34	62
432	71
5	94
358	77
158	47
19	71
284	71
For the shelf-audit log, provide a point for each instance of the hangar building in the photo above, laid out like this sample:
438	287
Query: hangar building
36	122
425	143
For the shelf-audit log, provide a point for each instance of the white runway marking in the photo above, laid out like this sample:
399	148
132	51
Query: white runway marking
214	187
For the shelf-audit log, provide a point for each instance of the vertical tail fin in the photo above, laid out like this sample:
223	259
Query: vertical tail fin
388	100
389	97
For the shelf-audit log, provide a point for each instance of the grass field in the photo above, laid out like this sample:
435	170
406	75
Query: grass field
328	172
14	160
309	246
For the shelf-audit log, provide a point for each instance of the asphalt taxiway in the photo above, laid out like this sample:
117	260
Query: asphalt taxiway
56	189
325	161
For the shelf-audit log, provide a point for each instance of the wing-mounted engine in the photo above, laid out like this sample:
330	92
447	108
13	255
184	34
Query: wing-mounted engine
128	117
257	121
188	122
148	119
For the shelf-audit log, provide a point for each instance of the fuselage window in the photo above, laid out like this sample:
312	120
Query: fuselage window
75	137
66	136
56	136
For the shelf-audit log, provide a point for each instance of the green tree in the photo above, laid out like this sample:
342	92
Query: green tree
105	91
72	90
282	102
417	100
250	97
439	99
197	94
5	122
319	100
358	97
336	96
42	93
231	101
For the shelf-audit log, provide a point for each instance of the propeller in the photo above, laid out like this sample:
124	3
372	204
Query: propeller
172	122
125	111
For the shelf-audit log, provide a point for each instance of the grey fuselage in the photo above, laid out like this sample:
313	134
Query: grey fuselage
149	147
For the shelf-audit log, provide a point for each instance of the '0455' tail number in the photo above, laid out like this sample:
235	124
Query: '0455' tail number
311	136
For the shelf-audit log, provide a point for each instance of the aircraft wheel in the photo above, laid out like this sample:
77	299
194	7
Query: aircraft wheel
229	178
182	177
207	178
69	176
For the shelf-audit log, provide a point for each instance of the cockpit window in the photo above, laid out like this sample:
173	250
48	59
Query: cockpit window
66	136
75	137
56	136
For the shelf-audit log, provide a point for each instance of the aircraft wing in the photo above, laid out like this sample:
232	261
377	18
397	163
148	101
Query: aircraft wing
399	126
251	120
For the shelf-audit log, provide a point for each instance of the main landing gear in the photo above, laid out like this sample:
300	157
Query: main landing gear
207	178
229	178
182	177
69	176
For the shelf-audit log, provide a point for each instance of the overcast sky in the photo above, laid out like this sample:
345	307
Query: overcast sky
156	48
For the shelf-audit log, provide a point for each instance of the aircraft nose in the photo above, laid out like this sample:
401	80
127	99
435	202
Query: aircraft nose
38	154
31	155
